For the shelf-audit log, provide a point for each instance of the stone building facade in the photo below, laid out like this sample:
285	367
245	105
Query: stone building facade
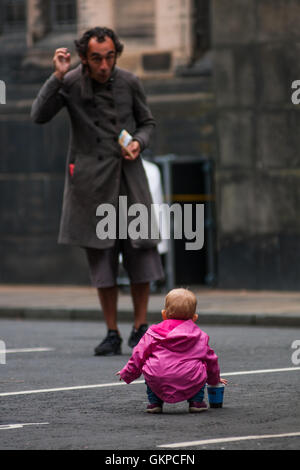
218	77
256	48
158	34
163	39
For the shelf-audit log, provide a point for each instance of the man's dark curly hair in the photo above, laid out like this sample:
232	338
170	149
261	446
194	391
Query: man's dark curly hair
100	33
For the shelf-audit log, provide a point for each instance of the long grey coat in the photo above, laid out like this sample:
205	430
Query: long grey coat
97	113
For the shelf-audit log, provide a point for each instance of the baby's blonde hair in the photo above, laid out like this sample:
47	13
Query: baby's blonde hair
180	304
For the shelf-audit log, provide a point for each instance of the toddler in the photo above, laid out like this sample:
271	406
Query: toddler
174	357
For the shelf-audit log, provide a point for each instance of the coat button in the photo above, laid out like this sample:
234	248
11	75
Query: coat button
96	123
98	139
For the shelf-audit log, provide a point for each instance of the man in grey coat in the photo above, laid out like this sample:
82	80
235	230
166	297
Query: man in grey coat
102	100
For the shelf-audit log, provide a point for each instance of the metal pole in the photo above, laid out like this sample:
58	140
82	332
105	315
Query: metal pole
210	276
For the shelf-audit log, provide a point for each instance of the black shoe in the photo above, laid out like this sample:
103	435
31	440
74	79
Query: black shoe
110	346
136	335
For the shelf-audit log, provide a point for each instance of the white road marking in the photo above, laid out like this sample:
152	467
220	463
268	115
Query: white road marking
115	384
62	389
228	439
261	371
19	425
11	351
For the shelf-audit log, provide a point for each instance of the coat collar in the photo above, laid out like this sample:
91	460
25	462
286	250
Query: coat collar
86	82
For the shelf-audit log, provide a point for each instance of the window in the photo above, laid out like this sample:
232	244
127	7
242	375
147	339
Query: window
13	15
64	14
201	27
135	19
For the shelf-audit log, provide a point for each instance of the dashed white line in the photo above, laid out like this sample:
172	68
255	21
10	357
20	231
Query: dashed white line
18	425
261	371
136	382
222	440
63	389
24	350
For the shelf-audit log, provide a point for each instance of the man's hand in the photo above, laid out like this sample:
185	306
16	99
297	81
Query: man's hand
62	62
134	148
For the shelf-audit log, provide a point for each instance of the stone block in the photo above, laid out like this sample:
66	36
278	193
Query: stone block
40	260
278	202
266	206
292	52
157	62
278	139
21	148
259	204
30	205
95	12
236	204
233	22
268	272
278	20
237	263
27	147
235	76
184	127
223	75
236	137
173	27
274	74
252	263
267	262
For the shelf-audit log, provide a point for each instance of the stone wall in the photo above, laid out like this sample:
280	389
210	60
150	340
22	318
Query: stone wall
32	160
256	51
248	125
32	169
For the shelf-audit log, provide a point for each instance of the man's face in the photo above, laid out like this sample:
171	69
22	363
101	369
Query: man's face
101	59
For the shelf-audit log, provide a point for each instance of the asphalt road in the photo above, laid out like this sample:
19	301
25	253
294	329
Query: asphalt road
260	409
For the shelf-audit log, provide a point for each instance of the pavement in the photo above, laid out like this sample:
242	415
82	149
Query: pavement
215	306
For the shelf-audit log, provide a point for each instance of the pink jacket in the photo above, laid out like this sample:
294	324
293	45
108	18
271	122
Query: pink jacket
175	359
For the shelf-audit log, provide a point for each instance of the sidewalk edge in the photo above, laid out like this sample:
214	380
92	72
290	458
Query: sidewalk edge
213	318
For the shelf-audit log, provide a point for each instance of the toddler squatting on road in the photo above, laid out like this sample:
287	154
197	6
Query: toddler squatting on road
174	357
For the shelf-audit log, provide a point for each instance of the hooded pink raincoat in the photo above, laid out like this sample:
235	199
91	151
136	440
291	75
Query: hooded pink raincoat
175	359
